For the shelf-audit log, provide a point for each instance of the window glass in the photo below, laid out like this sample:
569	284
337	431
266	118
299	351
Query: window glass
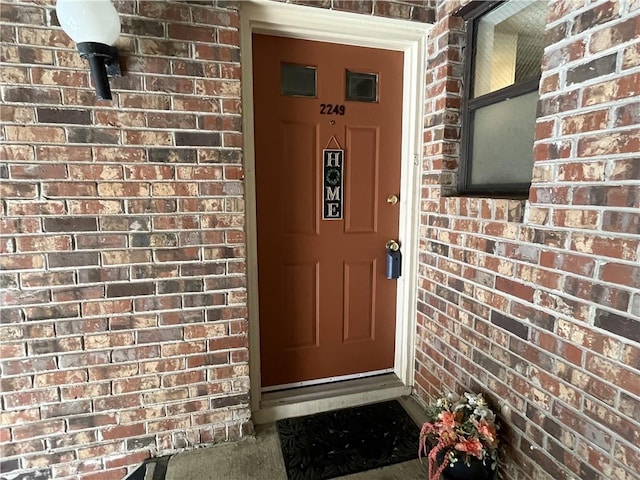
503	135
362	87
297	80
509	46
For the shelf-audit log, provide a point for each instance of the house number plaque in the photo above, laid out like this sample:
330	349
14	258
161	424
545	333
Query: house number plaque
332	184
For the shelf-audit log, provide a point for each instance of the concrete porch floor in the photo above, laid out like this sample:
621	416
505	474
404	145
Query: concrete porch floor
260	458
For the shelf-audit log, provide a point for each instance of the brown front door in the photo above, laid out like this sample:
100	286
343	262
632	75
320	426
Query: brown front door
326	307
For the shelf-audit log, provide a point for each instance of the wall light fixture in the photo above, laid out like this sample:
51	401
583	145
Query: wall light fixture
95	26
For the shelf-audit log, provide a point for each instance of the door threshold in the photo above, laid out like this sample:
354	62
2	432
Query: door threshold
296	402
325	381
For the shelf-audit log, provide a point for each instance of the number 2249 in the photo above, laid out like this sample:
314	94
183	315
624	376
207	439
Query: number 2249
331	109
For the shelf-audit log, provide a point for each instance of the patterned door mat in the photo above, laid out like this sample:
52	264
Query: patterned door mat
333	444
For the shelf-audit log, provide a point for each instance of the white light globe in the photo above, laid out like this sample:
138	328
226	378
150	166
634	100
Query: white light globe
89	20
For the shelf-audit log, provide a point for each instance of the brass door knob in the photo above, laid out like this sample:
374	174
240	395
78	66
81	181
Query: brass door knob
392	199
393	245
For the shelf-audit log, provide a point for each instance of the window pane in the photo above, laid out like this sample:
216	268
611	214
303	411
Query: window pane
297	80
509	45
362	87
503	136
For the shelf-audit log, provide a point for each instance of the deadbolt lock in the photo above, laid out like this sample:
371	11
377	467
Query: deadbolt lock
392	199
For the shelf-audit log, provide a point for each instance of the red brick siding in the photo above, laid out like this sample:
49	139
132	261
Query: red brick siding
413	10
536	303
123	303
123	256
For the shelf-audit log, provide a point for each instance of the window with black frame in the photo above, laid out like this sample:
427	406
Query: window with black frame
505	43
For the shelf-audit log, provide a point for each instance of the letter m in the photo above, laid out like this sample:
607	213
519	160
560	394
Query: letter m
333	193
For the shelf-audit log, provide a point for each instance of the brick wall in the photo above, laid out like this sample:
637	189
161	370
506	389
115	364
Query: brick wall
412	10
537	303
123	321
123	324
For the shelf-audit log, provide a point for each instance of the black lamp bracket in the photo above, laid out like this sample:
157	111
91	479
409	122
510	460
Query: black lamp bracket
104	63
106	53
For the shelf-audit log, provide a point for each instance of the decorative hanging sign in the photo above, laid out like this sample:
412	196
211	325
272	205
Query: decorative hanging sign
332	185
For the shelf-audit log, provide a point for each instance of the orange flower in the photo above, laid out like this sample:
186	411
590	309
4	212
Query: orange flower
487	431
448	420
448	437
472	446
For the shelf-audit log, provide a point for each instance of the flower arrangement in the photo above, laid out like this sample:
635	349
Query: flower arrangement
459	429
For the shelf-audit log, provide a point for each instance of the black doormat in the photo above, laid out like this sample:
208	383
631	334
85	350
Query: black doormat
332	444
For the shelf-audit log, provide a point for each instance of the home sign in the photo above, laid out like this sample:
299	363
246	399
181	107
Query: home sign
333	185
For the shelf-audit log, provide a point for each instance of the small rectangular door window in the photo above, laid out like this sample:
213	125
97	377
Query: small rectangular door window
362	87
297	80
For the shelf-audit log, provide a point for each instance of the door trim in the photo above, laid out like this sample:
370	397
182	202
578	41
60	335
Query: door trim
311	23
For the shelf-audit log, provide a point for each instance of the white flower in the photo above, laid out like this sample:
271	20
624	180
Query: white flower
484	412
453	397
471	399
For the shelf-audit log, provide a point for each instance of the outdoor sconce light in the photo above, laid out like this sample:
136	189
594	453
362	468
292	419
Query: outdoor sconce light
95	26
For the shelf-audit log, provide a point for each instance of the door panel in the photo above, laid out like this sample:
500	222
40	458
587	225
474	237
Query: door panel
301	316
298	161
359	303
361	189
326	308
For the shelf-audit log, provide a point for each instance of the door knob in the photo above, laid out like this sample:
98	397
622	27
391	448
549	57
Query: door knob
394	260
392	199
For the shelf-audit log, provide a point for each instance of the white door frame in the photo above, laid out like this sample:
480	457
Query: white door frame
311	23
